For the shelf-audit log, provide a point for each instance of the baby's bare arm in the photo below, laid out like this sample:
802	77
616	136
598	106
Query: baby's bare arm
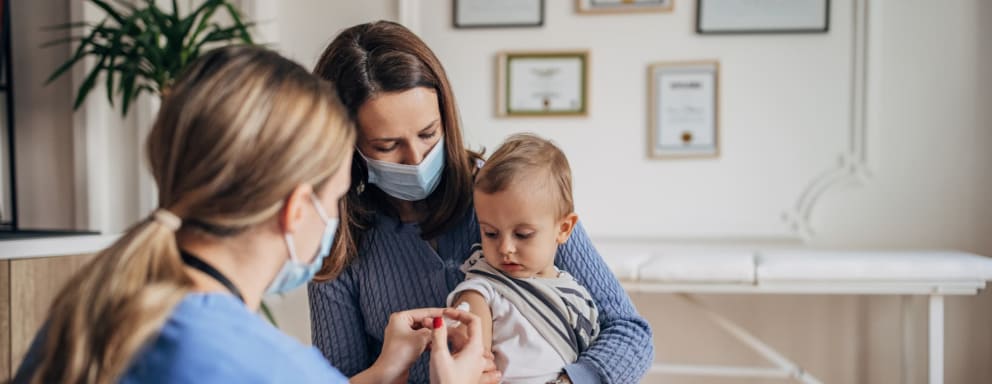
479	307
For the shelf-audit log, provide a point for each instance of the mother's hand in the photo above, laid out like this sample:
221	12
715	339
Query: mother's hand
465	365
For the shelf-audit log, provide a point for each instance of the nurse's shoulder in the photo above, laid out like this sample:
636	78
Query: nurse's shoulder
214	338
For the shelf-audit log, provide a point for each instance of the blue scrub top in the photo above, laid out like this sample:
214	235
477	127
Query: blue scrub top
214	338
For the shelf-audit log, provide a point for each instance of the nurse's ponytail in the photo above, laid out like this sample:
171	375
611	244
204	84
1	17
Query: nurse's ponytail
108	310
235	135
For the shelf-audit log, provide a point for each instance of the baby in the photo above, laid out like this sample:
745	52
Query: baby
541	318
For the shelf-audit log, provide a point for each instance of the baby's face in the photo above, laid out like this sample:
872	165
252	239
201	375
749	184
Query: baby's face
520	229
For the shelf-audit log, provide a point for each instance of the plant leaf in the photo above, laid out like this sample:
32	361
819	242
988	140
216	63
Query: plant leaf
65	66
175	12
245	36
222	34
268	314
114	50
61	41
127	85
76	56
141	47
127	4
87	85
190	19
64	26
110	10
208	8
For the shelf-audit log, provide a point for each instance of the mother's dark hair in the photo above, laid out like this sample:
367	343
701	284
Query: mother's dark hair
363	62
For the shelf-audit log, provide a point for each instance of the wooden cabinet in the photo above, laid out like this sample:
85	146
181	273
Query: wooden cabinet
5	370
27	288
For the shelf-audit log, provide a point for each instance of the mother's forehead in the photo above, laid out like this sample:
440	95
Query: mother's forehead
399	112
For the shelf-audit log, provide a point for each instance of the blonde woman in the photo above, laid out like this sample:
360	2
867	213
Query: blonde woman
251	155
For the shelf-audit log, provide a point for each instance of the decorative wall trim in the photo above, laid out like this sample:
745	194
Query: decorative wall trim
146	110
408	14
89	140
265	13
852	163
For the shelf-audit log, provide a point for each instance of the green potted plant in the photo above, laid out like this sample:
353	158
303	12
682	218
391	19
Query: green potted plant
141	47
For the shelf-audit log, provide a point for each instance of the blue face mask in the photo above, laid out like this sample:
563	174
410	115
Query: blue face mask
408	182
294	272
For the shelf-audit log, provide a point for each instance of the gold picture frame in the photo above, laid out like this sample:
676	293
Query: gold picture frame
684	109
542	83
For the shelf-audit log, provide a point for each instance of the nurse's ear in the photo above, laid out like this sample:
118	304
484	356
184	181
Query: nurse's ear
292	212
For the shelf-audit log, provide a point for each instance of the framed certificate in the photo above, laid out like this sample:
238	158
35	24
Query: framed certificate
762	16
497	13
684	110
543	83
620	6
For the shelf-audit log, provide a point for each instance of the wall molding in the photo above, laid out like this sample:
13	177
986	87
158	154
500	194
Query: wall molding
89	130
265	14
408	14
851	167
145	109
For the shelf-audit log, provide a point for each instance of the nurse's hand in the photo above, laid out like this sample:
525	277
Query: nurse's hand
457	338
464	366
405	340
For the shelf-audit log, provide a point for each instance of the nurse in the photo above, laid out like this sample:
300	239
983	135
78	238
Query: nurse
251	155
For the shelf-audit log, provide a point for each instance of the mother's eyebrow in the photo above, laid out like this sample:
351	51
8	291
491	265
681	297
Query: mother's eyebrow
431	124
426	127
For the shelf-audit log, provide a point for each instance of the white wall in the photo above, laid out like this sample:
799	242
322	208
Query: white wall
786	121
300	29
930	126
786	110
786	114
777	133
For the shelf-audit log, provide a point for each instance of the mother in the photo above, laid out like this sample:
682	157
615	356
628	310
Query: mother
408	221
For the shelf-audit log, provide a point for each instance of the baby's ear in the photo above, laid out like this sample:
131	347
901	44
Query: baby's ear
565	227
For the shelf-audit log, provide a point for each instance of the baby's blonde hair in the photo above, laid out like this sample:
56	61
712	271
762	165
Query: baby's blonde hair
526	154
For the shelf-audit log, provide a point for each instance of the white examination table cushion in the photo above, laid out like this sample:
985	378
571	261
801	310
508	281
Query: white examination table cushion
689	267
871	266
697	267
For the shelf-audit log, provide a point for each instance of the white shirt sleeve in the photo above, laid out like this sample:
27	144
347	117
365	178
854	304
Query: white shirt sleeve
479	285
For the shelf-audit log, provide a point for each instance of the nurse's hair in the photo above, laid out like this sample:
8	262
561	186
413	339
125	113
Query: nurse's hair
236	134
523	156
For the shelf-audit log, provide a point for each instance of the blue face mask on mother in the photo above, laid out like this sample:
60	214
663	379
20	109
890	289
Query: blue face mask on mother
408	182
295	272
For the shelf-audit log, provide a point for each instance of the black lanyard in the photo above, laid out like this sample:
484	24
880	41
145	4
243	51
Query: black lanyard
198	263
